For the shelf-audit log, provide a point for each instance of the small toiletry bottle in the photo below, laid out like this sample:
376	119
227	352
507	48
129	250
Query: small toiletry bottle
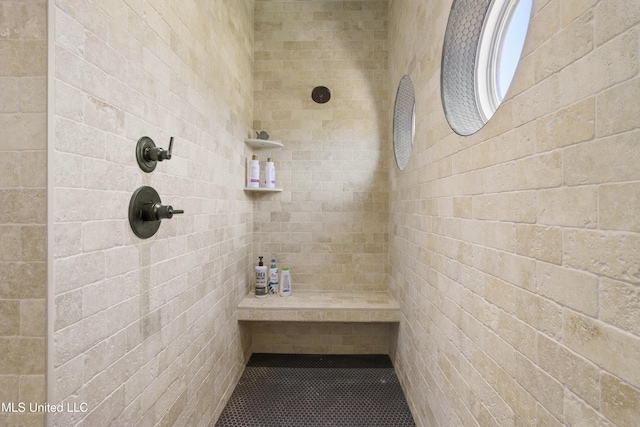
273	278
261	280
285	282
254	172
270	174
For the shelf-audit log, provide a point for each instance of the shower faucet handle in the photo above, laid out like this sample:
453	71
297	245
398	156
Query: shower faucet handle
159	154
148	155
146	212
157	212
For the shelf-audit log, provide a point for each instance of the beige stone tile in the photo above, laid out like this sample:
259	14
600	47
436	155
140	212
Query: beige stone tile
9	243
517	270
33	94
9	318
75	272
9	392
544	388
33	317
615	110
538	100
608	64
604	160
567	126
618	206
500	293
515	207
578	413
541	243
9	94
569	287
573	207
33	168
542	314
613	18
603	344
33	243
575	372
23	206
18	64
620	402
620	305
517	333
565	47
33	388
68	309
540	171
10	164
23	131
22	356
23	280
609	254
571	9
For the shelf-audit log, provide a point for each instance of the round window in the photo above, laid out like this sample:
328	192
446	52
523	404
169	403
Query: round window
482	47
404	114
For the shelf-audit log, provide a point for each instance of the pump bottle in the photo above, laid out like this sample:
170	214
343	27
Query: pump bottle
261	280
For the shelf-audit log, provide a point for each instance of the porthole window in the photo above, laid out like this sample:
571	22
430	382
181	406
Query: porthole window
482	47
404	115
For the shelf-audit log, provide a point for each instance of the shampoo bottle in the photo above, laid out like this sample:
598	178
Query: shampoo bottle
261	280
270	174
273	278
254	172
285	282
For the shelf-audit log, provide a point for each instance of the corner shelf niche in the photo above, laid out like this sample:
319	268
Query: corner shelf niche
258	144
263	143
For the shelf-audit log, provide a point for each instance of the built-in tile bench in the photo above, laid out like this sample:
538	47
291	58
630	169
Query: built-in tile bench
317	306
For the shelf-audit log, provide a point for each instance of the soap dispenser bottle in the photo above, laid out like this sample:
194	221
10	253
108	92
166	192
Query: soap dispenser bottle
261	280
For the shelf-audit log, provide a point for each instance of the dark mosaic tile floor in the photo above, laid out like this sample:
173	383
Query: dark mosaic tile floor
317	390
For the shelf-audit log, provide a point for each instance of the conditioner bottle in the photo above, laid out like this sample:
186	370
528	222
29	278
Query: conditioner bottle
270	174
285	282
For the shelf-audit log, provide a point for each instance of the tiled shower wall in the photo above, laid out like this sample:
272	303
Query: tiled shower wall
329	225
514	251
23	69
144	330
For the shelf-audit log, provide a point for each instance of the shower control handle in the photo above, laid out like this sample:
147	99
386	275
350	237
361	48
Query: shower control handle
148	155
157	212
158	154
146	212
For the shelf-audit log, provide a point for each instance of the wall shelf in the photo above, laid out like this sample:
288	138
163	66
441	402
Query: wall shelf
263	143
263	189
312	306
258	144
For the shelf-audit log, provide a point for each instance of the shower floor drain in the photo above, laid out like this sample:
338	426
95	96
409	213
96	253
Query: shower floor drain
317	390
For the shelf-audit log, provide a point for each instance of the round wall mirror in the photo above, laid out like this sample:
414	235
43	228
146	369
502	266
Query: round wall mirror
404	114
482	47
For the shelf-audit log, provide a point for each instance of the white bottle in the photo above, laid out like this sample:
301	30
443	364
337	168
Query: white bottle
270	174
273	278
254	172
261	280
285	282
